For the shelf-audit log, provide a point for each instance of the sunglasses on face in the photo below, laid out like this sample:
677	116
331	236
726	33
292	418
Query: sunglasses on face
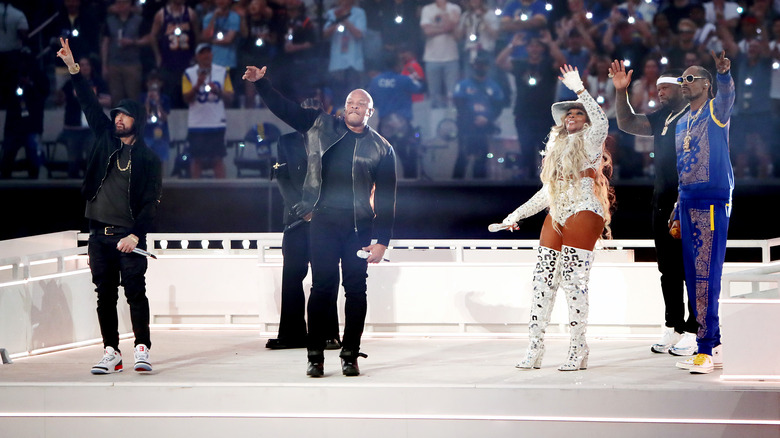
688	79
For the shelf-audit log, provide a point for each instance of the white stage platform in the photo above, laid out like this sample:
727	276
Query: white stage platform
446	325
220	382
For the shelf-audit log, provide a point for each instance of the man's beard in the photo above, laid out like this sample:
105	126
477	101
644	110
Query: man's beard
123	132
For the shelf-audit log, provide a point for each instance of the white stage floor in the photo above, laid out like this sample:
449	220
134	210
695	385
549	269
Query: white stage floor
225	381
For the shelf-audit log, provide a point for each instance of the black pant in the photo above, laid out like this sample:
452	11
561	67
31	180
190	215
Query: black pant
333	240
472	144
108	265
292	323
670	264
13	142
532	133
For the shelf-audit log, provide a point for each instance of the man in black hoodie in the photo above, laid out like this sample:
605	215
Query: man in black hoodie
122	188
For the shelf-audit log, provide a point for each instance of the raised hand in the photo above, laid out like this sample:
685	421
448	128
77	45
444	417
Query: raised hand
65	53
570	77
253	73
722	63
620	79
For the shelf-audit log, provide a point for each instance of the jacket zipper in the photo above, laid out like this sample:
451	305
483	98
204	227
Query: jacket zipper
130	179
319	190
129	183
108	165
354	203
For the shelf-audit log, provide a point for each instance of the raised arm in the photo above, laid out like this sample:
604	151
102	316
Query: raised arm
599	126
93	110
628	121
723	103
289	112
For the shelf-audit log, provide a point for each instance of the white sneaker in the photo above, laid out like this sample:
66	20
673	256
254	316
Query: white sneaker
717	360
142	358
111	362
668	340
702	364
686	346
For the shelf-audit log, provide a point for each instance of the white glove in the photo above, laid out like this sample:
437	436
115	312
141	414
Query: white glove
572	81
538	202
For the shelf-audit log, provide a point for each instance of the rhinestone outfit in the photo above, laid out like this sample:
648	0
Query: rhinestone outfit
572	200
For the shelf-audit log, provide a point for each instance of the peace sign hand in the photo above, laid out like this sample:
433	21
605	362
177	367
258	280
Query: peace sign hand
65	53
722	63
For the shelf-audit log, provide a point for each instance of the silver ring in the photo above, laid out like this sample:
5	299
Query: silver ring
610	75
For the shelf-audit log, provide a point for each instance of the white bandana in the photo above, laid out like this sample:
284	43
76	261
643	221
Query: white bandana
666	80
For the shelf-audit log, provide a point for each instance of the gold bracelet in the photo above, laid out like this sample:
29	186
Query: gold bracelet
580	92
133	238
75	68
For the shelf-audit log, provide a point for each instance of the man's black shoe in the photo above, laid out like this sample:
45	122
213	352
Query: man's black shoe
349	362
315	367
332	344
282	344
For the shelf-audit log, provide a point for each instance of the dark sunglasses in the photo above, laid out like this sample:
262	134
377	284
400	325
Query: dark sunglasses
688	79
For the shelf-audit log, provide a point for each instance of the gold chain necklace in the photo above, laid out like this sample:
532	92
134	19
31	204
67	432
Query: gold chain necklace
129	162
687	139
671	117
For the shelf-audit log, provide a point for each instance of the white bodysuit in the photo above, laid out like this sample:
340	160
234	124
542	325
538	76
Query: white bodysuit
570	201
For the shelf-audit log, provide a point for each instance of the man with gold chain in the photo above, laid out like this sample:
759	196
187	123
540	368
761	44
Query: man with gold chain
122	187
679	334
701	217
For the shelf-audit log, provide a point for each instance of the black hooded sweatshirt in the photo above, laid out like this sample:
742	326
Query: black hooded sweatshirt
145	187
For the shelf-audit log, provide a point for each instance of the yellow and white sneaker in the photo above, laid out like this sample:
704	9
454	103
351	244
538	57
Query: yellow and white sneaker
715	361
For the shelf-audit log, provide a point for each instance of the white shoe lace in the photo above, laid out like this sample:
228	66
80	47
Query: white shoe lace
142	355
667	338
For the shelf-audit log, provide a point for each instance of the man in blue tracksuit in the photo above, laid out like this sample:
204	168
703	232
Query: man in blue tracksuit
701	217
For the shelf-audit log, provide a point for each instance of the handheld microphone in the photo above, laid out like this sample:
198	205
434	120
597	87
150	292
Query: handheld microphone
498	227
364	255
144	253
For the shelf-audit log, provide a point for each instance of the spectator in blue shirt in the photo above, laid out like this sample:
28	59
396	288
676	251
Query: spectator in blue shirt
526	17
221	29
392	93
478	102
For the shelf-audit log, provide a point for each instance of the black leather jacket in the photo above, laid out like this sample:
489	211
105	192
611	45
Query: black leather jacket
373	167
146	174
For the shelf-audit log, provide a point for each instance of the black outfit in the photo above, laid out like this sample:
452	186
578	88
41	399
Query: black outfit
303	65
77	137
122	188
346	172
668	249
535	85
24	119
290	173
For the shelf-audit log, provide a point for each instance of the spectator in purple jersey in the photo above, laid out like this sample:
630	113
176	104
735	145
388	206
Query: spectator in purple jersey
173	38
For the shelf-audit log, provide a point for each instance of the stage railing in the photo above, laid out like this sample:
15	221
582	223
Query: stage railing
233	280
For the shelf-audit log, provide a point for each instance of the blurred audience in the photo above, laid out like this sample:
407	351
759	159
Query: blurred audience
439	21
76	135
120	52
334	46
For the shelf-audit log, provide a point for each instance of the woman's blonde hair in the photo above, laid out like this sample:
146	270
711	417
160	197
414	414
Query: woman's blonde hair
564	159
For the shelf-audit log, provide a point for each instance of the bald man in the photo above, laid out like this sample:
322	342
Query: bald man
349	197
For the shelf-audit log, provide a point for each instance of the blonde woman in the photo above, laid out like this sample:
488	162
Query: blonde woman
575	173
